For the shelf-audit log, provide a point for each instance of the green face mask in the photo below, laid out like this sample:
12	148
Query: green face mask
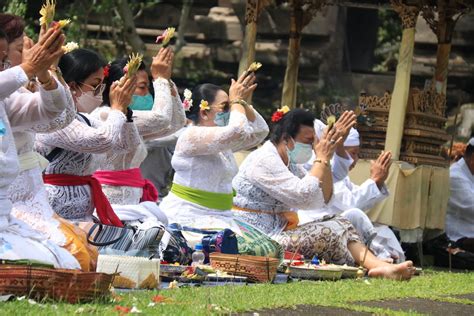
142	102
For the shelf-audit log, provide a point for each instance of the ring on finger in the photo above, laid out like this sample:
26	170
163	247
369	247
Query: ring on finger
332	141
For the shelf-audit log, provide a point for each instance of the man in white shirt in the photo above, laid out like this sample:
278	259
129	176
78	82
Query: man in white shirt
460	213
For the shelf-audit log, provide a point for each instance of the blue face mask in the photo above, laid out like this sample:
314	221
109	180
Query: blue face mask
142	102
222	118
300	154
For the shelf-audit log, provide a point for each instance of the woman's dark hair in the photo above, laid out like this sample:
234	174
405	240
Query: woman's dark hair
290	124
79	64
12	25
207	92
3	35
115	73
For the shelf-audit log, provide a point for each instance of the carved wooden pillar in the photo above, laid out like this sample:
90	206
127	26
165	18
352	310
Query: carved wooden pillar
398	104
449	12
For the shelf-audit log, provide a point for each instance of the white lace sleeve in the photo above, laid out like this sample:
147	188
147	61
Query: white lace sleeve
26	110
271	175
98	138
166	116
64	119
203	140
11	80
259	132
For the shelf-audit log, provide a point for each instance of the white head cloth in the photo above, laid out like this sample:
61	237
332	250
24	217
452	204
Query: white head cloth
352	139
319	128
471	141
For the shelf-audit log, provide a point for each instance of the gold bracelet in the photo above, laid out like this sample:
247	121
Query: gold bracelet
324	162
47	83
241	102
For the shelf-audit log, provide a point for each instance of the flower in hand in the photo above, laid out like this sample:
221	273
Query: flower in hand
166	37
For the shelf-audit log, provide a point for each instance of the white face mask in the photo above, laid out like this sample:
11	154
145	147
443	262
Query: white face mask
300	154
88	102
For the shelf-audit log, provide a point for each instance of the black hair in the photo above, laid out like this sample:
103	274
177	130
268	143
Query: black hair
3	35
290	124
469	151
115	73
207	92
79	64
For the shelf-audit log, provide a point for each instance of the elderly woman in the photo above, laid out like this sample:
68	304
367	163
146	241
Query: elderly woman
272	182
20	112
201	195
73	151
133	198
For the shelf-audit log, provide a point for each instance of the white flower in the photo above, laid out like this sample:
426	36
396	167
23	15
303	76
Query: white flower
135	310
188	94
70	46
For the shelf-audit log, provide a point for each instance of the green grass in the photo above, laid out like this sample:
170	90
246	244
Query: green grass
226	299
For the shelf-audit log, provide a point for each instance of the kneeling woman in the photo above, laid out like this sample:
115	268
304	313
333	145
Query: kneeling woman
272	182
201	195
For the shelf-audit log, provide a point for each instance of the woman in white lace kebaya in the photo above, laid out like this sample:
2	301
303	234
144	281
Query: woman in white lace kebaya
119	172
201	195
272	182
19	112
73	151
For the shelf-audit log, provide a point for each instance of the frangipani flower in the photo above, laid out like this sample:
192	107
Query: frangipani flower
70	46
204	105
47	12
285	109
254	67
134	62
166	37
331	120
188	101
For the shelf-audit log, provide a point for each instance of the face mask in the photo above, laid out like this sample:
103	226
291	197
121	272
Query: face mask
300	154
88	102
222	119
142	102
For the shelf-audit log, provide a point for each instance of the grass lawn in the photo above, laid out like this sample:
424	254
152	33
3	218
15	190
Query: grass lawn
226	299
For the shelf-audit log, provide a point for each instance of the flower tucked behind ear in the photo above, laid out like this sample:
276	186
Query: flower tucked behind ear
188	101
106	71
278	114
204	105
70	46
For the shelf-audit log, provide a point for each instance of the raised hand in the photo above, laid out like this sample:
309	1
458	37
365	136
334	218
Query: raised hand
344	124
380	168
243	87
162	65
38	58
326	146
121	93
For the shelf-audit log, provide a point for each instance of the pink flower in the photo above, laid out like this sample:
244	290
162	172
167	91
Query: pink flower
186	105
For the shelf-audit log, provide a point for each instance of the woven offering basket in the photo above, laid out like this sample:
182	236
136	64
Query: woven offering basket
311	273
256	269
72	286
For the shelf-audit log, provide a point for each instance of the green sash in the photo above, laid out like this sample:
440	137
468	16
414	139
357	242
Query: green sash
217	201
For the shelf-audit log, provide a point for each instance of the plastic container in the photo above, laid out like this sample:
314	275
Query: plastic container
198	256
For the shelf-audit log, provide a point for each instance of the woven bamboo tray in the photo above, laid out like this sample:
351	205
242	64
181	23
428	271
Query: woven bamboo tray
256	269
72	286
316	273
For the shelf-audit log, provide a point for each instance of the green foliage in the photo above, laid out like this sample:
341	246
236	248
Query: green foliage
237	299
388	41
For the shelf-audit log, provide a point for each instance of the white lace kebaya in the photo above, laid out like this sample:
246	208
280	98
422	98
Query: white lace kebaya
165	118
81	144
18	112
204	160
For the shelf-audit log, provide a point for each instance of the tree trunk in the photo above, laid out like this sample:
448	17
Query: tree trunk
129	29
183	24
290	83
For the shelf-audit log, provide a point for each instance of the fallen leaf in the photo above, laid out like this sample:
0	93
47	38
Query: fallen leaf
161	299
122	309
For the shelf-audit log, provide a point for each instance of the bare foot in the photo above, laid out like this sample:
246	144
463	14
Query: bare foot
401	271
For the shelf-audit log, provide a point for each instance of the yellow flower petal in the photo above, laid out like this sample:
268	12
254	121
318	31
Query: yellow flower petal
134	62
47	12
254	67
204	105
63	23
285	109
